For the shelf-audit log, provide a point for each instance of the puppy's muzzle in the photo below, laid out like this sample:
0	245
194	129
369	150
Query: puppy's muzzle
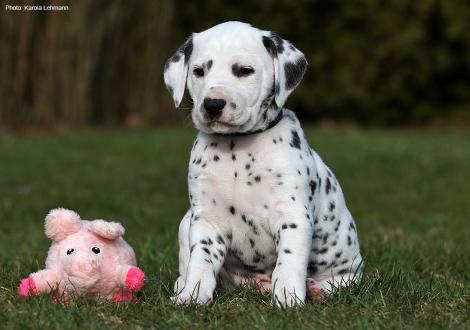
214	107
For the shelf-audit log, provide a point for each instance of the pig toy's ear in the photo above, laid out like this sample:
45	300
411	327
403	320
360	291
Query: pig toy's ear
108	230
61	223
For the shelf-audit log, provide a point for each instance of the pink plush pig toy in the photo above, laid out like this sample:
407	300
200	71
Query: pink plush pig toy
85	258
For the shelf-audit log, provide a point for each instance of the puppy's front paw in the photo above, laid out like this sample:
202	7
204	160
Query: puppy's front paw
198	294
288	291
179	285
186	297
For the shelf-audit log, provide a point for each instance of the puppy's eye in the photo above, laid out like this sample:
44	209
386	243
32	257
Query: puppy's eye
198	72
245	71
70	251
242	71
96	250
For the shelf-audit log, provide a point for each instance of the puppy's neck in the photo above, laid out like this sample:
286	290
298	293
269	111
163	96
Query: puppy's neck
271	124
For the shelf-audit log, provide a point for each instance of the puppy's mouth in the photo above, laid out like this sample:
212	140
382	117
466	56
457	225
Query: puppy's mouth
222	127
221	123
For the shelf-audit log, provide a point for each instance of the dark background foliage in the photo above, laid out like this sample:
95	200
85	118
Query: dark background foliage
100	63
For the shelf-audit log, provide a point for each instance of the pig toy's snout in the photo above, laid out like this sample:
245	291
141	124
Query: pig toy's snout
84	267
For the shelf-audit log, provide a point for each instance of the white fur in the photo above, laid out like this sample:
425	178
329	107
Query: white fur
242	44
264	207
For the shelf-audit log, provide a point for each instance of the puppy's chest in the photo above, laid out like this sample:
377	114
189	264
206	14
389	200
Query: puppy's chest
225	173
231	182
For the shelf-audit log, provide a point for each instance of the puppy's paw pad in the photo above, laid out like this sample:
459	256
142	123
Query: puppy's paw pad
315	290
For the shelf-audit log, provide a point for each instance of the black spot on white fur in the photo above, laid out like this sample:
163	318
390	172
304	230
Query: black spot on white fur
328	186
294	72
270	46
295	139
185	50
188	49
278	41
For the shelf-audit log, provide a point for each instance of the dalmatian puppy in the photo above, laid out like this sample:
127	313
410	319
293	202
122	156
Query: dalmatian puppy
265	212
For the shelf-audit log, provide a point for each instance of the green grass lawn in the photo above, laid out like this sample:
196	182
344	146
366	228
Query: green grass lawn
408	192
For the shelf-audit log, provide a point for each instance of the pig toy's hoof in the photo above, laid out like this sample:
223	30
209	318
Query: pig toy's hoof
135	279
27	287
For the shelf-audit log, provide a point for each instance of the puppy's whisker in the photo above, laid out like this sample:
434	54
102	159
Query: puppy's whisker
187	121
189	100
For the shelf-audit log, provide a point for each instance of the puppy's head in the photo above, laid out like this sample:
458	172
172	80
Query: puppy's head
238	77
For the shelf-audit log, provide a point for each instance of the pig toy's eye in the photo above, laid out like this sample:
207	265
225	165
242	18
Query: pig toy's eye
95	250
70	251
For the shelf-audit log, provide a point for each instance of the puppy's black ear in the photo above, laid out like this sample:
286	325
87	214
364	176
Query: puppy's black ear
176	70
289	65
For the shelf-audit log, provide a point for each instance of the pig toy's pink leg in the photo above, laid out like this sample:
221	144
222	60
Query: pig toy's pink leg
131	277
43	281
122	295
27	287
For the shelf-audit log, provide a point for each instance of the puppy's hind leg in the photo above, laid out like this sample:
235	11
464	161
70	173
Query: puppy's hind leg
319	289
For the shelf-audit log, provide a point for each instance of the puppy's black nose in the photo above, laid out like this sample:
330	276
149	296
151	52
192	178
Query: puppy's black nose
214	107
